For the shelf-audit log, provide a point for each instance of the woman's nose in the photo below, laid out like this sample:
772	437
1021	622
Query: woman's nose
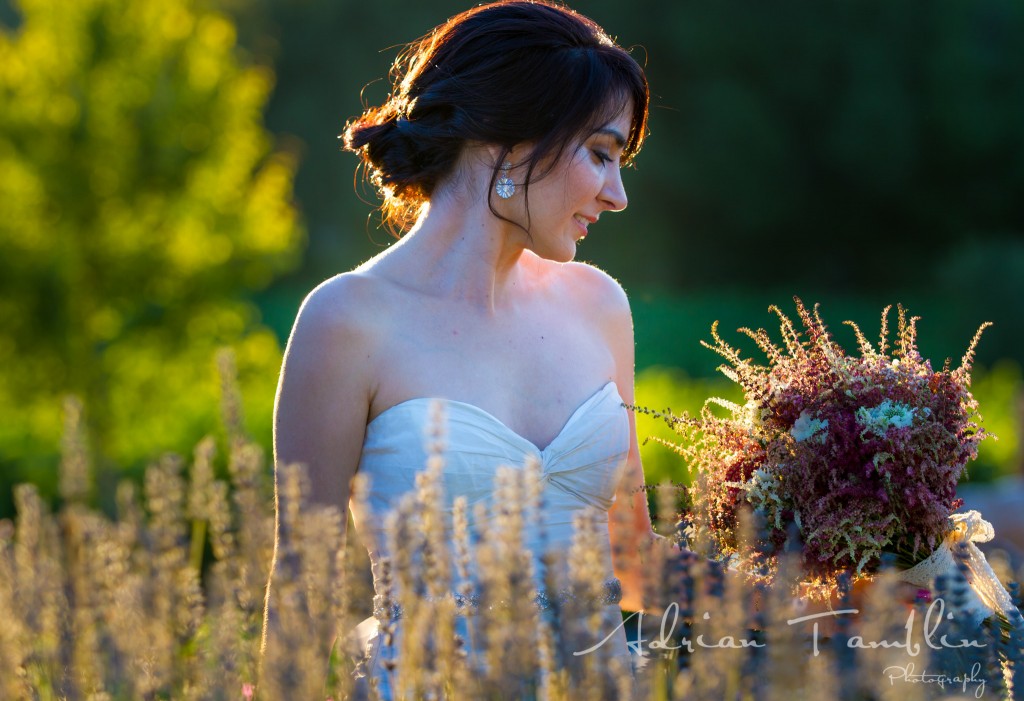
614	192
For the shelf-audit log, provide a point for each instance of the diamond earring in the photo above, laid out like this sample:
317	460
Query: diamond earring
504	186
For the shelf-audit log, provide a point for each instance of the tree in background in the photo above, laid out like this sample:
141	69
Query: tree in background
141	199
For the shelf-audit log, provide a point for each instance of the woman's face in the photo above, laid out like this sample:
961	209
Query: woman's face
585	183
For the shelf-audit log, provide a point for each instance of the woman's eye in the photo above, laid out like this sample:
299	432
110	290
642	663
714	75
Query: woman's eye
602	156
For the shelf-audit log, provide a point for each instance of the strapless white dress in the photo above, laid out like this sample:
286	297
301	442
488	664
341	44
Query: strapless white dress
580	471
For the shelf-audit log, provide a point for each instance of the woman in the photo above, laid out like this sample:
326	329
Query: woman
500	146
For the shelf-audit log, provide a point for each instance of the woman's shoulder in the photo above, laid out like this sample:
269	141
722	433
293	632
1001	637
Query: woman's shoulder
595	288
338	300
346	307
599	298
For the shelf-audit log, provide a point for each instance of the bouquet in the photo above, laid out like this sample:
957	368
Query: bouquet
858	455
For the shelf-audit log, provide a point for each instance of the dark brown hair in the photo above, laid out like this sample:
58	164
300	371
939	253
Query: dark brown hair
504	73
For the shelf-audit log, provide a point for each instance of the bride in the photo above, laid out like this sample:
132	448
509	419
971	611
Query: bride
500	147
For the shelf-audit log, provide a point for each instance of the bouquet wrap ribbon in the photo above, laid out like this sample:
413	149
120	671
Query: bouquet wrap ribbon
985	594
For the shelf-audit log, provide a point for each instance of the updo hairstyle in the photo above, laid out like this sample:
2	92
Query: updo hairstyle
503	73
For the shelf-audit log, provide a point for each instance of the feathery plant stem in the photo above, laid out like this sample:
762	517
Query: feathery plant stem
165	600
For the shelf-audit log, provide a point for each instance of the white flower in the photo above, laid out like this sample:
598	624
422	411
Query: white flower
888	414
762	490
778	388
806	427
752	414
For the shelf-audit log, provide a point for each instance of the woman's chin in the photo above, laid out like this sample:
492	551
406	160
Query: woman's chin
563	254
563	259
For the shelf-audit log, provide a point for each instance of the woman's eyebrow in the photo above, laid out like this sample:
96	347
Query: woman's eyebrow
620	140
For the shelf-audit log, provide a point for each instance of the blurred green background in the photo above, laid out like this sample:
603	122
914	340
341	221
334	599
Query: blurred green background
171	182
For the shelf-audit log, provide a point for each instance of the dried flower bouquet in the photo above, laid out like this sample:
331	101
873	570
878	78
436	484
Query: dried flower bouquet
858	455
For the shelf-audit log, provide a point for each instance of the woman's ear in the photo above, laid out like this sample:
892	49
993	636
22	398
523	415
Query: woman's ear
498	156
518	155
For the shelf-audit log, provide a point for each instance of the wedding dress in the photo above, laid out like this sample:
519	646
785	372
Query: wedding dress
580	470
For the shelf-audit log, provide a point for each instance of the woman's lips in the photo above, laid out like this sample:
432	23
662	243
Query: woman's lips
583	222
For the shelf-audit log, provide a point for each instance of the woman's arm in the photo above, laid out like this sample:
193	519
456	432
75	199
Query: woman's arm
631	534
629	520
320	414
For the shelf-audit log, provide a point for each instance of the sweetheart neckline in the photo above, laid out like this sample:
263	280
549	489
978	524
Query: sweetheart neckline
494	419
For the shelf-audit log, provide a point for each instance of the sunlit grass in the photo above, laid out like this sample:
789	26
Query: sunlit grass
165	601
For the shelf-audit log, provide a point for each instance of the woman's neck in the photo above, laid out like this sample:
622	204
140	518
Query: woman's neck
464	253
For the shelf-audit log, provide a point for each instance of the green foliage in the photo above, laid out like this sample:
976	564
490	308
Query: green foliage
822	142
140	198
1000	394
661	389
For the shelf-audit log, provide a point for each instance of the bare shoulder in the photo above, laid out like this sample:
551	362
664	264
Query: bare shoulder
327	381
598	292
343	304
339	331
600	298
